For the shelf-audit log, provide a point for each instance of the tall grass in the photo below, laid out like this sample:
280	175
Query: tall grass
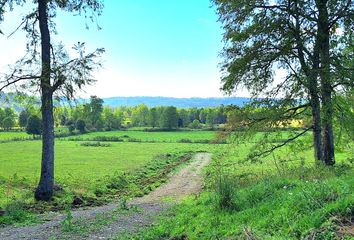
225	192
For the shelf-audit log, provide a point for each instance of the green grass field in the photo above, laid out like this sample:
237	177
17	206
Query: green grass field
11	135
22	135
23	158
151	136
291	196
80	169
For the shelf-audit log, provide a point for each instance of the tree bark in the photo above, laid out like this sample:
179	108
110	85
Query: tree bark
326	87
44	190
316	125
316	105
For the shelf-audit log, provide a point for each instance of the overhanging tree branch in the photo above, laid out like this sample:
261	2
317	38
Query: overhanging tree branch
274	147
15	79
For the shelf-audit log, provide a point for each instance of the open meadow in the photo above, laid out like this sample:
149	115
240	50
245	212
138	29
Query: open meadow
6	136
86	168
130	163
148	136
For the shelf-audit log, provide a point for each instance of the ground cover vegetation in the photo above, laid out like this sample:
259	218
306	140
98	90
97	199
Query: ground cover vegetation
284	196
86	174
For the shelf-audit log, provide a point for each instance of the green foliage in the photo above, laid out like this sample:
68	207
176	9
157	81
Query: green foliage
81	125
195	124
93	112
140	115
67	224
34	125
23	118
8	123
153	117
7	118
169	118
263	36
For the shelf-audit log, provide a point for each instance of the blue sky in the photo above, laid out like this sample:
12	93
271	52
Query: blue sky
153	47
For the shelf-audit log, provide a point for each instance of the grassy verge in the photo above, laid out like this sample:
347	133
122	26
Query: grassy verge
275	208
286	196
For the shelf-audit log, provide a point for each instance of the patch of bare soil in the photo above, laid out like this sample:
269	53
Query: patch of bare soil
107	221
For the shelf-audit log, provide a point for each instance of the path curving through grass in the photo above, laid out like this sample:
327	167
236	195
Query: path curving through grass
110	220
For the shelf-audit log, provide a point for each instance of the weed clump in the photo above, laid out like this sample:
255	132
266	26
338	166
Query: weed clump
225	191
15	213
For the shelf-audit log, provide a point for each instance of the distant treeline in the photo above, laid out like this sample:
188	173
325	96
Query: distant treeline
94	115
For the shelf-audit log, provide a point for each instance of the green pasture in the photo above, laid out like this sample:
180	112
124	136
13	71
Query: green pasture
78	168
174	136
4	136
14	135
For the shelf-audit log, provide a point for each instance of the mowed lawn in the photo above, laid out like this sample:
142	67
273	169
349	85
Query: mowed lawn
153	136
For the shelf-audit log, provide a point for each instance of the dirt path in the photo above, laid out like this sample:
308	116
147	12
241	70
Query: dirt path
106	221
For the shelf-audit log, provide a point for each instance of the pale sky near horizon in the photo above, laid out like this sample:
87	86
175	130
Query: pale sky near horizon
153	48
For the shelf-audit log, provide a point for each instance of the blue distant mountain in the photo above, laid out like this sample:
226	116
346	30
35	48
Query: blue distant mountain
149	101
177	102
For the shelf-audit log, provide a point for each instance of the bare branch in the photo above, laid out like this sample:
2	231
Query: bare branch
14	79
24	22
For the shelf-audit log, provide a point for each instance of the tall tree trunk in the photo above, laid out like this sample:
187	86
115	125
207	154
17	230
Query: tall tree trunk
44	190
311	83
326	87
315	104
316	125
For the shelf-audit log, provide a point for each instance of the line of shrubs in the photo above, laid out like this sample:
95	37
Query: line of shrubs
38	137
95	144
129	139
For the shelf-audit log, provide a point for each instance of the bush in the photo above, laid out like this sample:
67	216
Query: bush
95	144
195	124
184	140
8	123
204	141
81	125
108	139
34	125
133	140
